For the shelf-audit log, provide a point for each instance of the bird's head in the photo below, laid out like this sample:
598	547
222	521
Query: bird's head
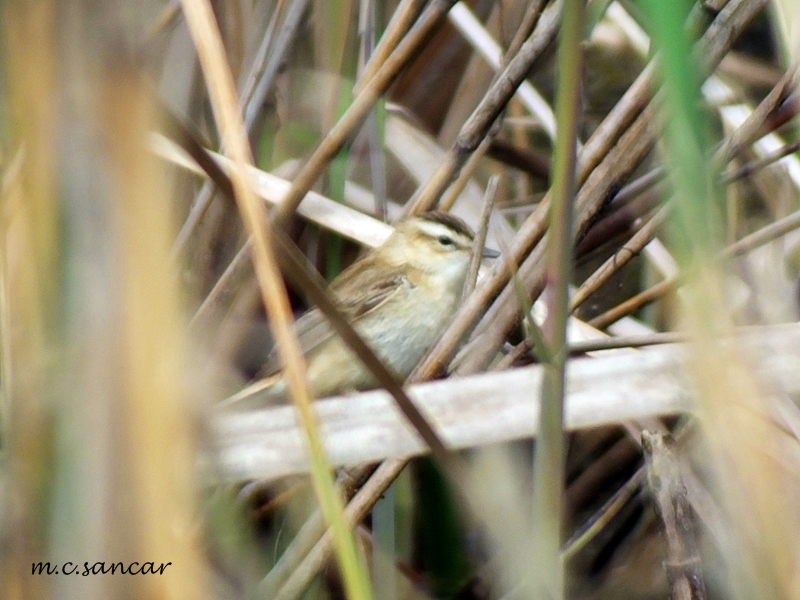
434	242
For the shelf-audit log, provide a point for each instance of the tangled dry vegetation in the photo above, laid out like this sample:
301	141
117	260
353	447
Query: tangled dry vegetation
145	148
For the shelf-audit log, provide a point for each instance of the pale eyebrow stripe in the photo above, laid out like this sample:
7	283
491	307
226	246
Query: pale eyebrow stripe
437	229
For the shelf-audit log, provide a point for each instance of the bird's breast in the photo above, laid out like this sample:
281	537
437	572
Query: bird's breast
407	326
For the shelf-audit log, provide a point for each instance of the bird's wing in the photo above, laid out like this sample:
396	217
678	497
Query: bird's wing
363	290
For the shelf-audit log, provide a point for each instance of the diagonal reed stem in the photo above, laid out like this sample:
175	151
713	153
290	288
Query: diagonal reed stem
208	42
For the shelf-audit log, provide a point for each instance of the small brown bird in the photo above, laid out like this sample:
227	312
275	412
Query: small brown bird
399	297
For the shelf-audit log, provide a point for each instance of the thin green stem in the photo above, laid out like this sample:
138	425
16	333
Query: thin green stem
549	459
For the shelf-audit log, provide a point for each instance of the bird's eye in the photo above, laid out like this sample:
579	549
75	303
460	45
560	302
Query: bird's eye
444	240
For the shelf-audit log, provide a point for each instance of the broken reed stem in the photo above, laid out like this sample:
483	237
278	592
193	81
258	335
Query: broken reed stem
480	236
596	345
228	284
257	68
763	236
633	341
548	473
675	518
208	43
753	166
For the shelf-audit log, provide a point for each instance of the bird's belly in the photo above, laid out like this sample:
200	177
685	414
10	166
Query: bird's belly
400	341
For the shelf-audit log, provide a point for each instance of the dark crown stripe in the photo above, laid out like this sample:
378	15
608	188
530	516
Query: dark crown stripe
450	221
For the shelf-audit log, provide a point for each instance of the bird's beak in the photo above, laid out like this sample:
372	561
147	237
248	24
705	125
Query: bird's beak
489	253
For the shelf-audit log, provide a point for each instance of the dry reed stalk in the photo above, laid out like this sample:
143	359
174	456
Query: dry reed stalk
749	131
478	125
350	481
618	162
676	519
257	87
346	127
732	400
221	88
619	259
106	323
356	511
758	238
154	409
399	25
480	236
453	191
633	304
28	254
